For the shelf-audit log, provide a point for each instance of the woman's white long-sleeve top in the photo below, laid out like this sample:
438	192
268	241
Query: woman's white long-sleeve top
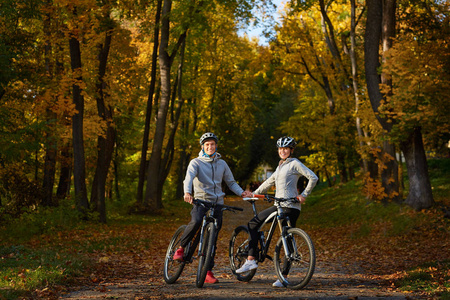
285	179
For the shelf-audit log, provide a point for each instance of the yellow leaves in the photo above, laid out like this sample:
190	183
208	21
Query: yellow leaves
415	67
373	189
104	259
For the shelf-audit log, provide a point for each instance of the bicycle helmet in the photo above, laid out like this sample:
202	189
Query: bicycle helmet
286	141
208	136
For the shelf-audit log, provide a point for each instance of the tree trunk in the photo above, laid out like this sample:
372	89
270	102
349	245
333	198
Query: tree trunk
152	201
170	148
182	167
420	195
116	176
354	67
184	156
50	161
376	31
105	140
158	166
148	114
65	173
389	174
50	144
77	127
371	51
340	156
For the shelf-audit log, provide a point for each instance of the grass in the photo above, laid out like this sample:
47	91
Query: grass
345	213
52	247
24	269
433	277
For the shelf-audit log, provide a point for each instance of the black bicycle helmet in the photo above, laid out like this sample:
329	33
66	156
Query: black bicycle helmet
208	136
286	141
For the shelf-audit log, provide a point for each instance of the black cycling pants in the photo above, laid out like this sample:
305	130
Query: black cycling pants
256	222
197	214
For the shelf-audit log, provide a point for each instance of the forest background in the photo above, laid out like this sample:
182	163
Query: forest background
103	102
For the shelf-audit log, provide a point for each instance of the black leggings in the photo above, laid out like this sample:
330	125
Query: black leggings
254	224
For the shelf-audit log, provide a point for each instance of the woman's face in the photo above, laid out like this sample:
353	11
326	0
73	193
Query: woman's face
284	152
210	147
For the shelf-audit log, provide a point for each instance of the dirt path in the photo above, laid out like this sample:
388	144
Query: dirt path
330	281
325	284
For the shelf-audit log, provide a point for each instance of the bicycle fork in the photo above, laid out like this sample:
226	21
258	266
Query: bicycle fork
202	232
201	251
289	247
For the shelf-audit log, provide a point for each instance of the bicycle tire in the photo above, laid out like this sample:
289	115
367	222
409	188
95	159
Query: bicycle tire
296	271
173	268
206	254
238	253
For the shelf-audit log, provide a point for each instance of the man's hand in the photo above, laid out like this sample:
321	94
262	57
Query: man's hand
247	194
301	199
188	198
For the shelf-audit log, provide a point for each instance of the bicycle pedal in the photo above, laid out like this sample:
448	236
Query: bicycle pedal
269	257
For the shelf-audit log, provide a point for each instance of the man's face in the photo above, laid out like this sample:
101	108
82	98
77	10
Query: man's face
210	147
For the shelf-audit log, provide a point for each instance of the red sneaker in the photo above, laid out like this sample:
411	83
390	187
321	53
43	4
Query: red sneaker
210	278
178	254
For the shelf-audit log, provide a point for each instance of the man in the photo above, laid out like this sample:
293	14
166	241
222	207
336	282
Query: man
203	180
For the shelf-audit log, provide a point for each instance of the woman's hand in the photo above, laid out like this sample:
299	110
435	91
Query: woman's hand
301	199
247	194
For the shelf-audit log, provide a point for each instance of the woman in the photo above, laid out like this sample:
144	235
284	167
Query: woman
285	179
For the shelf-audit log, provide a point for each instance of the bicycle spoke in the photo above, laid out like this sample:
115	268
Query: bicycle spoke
295	265
238	253
173	268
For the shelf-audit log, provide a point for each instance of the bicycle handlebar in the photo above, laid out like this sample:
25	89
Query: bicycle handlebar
270	198
212	204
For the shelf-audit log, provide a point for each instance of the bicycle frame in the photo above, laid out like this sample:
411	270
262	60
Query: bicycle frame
294	254
209	217
275	218
198	239
206	219
190	248
204	238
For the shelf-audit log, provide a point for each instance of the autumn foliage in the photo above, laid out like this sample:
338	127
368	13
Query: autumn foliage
400	248
102	104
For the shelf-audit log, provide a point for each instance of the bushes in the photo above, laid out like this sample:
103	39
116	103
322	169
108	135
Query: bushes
18	193
38	221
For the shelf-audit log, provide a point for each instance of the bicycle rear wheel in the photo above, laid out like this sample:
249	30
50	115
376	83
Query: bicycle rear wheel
206	254
238	253
295	267
173	268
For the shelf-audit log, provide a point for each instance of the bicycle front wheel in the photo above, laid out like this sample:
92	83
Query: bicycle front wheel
173	268
206	254
238	253
295	265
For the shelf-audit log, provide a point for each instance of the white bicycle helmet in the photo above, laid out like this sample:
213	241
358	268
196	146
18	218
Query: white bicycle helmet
208	136
286	141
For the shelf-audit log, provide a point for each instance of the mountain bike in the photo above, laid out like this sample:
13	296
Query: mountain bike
294	256
205	239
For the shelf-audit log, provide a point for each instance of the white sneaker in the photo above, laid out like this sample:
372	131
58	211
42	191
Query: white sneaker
277	284
247	266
